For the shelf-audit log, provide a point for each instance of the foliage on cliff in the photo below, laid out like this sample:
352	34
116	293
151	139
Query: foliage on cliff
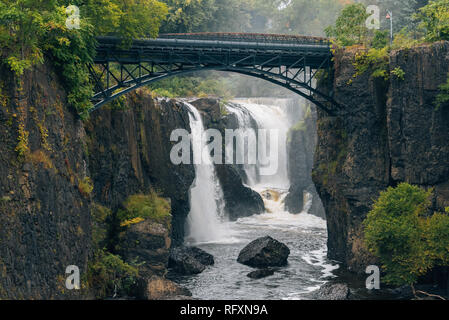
443	96
375	60
399	231
140	207
109	275
30	30
110	272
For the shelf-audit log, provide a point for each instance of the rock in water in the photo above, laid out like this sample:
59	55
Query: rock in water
159	288
189	260
333	291
261	273
264	252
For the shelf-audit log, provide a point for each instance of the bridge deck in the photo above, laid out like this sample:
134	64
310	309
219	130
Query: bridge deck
286	60
252	37
185	48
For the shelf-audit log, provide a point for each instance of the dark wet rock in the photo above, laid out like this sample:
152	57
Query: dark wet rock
148	242
189	260
301	144
129	153
264	252
391	132
332	291
240	201
159	288
261	273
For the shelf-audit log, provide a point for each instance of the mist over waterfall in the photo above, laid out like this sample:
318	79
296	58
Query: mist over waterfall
206	196
269	114
213	189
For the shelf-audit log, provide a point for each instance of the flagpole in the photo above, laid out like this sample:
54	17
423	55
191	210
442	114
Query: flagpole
390	17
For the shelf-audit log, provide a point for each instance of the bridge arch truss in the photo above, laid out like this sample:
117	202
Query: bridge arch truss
290	64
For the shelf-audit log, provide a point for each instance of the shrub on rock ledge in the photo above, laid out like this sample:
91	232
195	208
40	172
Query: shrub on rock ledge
408	241
141	207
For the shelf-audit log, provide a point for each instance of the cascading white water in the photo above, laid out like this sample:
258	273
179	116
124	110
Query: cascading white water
304	234
308	200
270	114
244	119
206	207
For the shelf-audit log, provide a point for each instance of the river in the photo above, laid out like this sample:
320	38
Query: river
304	234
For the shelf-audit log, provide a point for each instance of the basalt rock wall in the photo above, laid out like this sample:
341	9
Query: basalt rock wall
390	131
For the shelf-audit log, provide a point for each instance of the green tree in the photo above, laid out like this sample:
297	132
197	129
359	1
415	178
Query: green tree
406	240
188	16
216	15
306	17
32	29
127	19
380	39
350	27
434	19
22	23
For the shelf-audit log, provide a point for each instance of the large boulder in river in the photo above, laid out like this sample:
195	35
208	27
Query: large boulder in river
264	252
189	260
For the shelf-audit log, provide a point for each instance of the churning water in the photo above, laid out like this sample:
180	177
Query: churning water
304	234
307	269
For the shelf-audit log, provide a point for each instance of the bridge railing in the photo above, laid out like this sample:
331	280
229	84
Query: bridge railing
247	37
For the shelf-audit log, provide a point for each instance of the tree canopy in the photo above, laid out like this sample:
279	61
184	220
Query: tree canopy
434	19
31	29
350	27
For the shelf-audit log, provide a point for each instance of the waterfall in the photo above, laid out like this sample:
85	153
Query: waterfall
246	121
308	200
206	196
268	114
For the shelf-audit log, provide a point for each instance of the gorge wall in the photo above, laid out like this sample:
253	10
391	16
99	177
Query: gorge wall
63	181
45	224
390	132
50	217
301	145
129	153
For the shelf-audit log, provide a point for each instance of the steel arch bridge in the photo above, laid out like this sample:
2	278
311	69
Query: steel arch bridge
289	61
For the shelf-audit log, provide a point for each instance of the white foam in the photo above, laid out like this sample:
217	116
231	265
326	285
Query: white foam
285	219
317	258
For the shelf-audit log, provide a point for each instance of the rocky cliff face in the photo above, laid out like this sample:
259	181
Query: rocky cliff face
44	210
390	132
130	153
301	145
48	167
63	180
